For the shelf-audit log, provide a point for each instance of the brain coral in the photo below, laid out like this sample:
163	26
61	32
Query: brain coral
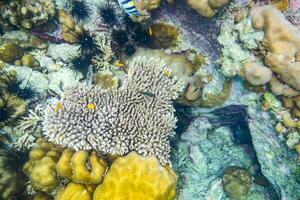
142	178
138	116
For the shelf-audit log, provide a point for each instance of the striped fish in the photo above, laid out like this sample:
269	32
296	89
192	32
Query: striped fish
129	7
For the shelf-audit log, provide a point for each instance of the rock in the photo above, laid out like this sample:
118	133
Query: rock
63	52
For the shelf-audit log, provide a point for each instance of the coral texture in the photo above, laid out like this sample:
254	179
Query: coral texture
27	13
256	74
141	178
282	42
74	191
40	168
138	116
207	8
73	166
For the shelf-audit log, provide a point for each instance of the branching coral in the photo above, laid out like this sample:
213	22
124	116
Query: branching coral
138	116
137	177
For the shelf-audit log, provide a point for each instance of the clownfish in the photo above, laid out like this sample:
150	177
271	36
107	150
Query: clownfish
129	7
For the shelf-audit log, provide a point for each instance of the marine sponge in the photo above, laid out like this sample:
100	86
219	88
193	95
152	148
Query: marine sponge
74	191
207	8
41	166
73	166
137	177
138	116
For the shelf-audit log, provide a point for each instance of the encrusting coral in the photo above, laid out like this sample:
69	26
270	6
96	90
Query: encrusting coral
137	177
73	166
207	8
138	116
41	166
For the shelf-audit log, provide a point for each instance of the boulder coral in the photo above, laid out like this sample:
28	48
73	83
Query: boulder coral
256	74
73	166
74	191
137	177
282	43
40	168
207	8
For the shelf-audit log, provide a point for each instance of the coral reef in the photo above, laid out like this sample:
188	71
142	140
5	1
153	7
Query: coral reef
74	191
282	48
237	182
207	8
256	74
141	178
82	121
72	166
10	52
41	166
106	80
27	14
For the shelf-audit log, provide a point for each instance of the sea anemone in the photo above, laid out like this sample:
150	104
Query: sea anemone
107	12
80	11
80	64
10	84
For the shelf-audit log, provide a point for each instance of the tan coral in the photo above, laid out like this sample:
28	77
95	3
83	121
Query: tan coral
256	73
207	8
73	166
282	42
41	166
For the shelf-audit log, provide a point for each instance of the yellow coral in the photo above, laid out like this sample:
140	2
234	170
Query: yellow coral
74	191
136	177
73	166
41	166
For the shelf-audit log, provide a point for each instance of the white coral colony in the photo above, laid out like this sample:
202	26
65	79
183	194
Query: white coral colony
139	116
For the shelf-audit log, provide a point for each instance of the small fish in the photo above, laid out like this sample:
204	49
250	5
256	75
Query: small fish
150	31
129	7
58	107
167	73
91	106
119	64
147	94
